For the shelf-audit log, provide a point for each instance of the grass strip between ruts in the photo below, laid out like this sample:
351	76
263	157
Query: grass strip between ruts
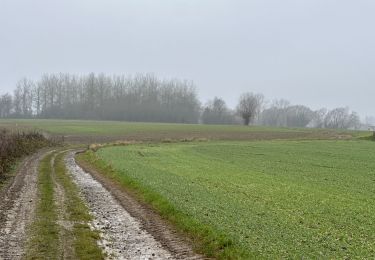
44	239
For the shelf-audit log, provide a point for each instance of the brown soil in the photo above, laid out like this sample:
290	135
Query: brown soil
176	243
161	136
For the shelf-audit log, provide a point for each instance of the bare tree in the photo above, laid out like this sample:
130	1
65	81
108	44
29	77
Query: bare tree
280	103
139	98
5	105
341	118
217	112
37	98
281	113
298	116
276	114
17	101
354	121
144	97
318	118
249	106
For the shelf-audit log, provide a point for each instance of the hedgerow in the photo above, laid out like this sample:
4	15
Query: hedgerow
14	145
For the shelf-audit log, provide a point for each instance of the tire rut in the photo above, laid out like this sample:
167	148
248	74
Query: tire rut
17	208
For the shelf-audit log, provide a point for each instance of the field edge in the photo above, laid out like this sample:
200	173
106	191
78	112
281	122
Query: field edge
205	240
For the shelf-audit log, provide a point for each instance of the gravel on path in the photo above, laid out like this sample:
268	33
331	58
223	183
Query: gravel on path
122	236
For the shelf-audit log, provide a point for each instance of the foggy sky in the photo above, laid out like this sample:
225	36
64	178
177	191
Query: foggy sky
313	52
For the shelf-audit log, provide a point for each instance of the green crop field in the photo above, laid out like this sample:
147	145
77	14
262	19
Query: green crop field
269	199
118	127
106	131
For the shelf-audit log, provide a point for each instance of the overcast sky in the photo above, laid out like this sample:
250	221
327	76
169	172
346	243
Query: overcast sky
313	52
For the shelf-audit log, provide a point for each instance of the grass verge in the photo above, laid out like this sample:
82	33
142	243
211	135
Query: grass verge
44	242
206	240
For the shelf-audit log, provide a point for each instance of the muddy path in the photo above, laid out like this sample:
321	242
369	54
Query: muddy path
125	231
128	230
17	207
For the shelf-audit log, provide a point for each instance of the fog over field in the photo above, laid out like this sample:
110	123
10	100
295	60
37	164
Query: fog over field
318	53
187	129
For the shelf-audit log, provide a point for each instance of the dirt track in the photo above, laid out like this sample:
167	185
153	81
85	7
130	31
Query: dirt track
128	230
17	208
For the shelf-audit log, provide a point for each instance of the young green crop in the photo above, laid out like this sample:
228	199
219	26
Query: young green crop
89	127
44	240
284	199
120	128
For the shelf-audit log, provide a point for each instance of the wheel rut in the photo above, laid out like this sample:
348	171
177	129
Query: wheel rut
17	208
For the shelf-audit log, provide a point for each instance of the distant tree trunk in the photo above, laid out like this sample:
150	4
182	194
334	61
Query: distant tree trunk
246	120
249	106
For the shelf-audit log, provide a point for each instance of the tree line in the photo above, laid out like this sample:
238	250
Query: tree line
144	97
102	97
252	109
281	113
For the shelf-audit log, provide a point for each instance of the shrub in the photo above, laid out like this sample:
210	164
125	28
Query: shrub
16	145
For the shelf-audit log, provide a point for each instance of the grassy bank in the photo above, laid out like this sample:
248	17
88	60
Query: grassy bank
295	199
